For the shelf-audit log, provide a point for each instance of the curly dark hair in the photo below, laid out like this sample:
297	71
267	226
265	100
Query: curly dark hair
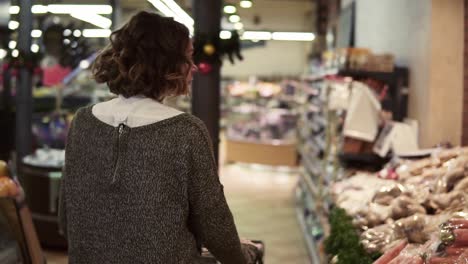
147	56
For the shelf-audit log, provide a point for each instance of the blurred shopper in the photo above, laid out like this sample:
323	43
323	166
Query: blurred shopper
140	182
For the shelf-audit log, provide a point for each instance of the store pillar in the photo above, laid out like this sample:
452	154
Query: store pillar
206	86
24	101
116	16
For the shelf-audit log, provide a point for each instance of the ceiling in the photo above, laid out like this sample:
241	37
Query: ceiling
286	15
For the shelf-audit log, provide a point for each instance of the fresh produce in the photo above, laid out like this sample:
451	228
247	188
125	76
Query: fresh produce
8	187
391	254
4	168
343	241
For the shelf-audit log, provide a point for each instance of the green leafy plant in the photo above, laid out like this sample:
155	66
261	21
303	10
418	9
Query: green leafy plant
343	241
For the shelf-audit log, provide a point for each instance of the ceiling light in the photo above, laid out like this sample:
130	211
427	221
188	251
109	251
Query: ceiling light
15	53
14	10
36	33
67	32
170	8
230	9
162	8
35	48
179	12
12	44
3	53
66	41
77	33
293	36
224	34
246	3
234	18
239	26
66	9
95	19
256	35
96	33
84	64
39	9
13	25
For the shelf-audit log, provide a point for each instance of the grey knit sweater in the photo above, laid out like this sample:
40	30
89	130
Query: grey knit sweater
147	194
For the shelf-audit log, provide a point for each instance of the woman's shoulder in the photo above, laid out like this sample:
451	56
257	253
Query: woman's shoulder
195	125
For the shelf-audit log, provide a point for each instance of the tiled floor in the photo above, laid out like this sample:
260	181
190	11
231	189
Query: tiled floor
263	207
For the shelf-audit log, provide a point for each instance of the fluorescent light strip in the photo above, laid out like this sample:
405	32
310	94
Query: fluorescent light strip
94	19
169	9
39	9
66	9
286	36
96	33
256	35
179	12
293	36
162	8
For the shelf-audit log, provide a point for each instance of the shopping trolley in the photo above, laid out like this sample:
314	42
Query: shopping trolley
208	258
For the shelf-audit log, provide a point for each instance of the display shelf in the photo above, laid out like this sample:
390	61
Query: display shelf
319	76
309	165
310	184
382	76
311	246
309	127
397	82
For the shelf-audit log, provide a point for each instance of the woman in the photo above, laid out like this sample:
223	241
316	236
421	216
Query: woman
140	183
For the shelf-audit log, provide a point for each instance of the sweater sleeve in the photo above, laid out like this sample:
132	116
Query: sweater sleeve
210	218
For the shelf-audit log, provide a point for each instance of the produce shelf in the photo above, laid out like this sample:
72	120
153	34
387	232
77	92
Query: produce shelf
311	246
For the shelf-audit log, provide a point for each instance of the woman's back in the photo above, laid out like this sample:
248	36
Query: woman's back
140	183
134	189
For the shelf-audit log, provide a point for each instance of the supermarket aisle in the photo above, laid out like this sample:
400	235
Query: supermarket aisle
262	203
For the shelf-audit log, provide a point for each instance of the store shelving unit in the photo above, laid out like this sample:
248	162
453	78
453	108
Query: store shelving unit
311	246
311	138
260	126
318	146
397	82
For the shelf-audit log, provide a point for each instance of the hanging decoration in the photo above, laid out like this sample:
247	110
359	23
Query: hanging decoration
205	67
210	50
